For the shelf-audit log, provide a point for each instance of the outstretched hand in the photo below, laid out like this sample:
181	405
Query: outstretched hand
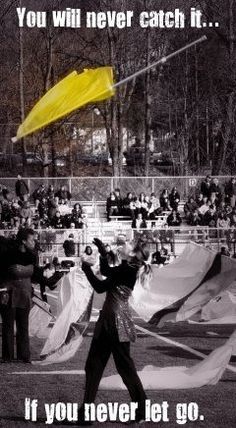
100	246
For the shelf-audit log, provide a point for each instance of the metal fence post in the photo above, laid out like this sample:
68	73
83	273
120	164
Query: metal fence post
152	186
29	185
70	185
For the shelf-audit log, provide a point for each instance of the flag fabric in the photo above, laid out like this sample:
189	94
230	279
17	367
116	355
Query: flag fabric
171	285
74	311
71	93
209	288
206	372
39	319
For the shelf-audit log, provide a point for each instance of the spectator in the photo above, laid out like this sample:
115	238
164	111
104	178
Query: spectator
149	207
51	192
21	189
164	200
38	194
118	200
57	221
64	208
69	246
222	224
139	222
204	207
1	194
166	236
210	218
76	215
216	190
6	212
156	207
195	219
15	208
52	208
174	219
126	205
233	218
63	195
112	207
160	257
230	192
43	207
6	193
206	186
190	207
89	256
224	252
231	238
174	199
143	205
25	211
133	208
79	224
200	200
223	221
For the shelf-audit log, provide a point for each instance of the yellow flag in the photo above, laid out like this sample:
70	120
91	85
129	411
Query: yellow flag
74	91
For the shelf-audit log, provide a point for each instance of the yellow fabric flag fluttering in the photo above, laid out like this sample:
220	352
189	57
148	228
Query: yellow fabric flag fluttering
71	93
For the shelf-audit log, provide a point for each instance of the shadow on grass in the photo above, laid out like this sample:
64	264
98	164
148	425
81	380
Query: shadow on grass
178	352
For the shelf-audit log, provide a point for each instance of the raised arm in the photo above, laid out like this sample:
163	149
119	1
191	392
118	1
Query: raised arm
105	269
100	286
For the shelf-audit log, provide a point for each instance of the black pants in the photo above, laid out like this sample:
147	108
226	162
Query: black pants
21	316
101	349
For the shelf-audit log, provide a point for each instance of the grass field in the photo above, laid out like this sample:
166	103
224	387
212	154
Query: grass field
217	403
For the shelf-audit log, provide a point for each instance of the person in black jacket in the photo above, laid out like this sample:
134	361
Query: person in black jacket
69	246
112	206
21	188
174	199
206	187
18	261
115	328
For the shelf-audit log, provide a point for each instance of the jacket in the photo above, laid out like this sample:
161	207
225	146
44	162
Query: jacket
115	316
17	277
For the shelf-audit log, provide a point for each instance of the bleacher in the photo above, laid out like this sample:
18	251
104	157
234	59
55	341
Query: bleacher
90	193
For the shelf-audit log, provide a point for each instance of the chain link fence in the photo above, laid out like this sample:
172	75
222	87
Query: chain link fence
98	188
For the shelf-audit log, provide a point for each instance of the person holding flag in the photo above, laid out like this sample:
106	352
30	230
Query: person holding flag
115	328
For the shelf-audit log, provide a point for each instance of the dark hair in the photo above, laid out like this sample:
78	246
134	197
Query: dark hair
88	247
23	234
142	249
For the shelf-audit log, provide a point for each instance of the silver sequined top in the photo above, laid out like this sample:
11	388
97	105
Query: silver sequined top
115	315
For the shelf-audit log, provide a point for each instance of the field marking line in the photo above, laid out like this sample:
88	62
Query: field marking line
56	372
179	345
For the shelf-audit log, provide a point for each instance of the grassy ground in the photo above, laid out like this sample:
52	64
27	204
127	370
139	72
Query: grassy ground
217	403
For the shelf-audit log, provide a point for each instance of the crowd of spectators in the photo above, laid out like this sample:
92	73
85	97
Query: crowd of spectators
142	208
44	208
212	205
